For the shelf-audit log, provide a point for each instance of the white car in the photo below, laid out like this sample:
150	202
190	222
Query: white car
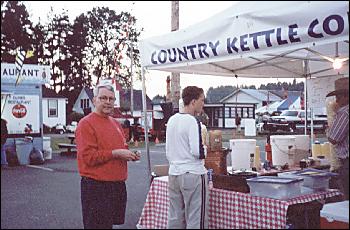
59	128
72	127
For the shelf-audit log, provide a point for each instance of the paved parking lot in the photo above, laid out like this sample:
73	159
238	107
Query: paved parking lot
49	196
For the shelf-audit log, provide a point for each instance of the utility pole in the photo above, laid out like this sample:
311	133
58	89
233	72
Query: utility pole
175	77
131	79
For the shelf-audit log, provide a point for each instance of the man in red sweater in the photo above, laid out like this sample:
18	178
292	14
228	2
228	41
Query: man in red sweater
102	163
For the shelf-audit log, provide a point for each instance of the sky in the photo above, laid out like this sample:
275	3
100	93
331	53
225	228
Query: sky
155	18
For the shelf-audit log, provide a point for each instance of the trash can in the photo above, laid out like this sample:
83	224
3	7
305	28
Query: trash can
47	150
23	149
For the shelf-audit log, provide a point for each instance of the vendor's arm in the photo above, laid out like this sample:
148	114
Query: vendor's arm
338	131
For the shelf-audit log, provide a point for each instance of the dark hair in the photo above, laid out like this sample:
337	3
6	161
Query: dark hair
191	93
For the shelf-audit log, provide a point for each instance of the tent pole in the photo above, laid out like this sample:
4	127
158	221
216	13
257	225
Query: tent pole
305	105
306	65
144	103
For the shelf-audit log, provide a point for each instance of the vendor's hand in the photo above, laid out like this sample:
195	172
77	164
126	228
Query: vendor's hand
125	154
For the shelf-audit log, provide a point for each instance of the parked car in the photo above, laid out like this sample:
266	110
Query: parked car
293	121
59	128
72	127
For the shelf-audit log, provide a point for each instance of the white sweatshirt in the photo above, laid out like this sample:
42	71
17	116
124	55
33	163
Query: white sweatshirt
184	149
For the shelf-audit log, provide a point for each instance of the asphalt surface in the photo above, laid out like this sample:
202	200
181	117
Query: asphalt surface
49	197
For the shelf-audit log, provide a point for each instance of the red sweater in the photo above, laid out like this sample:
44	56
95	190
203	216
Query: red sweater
96	137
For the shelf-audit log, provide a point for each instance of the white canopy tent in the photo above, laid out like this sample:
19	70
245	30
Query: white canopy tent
256	39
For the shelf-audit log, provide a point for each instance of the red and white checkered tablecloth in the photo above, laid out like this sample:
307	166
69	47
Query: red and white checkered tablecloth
227	209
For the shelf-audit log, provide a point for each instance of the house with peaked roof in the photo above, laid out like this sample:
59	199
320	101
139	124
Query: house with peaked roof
258	97
54	107
84	102
241	102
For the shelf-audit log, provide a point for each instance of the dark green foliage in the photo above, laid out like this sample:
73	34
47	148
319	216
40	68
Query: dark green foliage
75	51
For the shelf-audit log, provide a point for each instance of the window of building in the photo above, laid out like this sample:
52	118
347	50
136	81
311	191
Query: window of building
84	103
53	108
227	112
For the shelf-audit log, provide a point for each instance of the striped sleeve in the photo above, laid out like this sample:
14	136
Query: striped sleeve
338	131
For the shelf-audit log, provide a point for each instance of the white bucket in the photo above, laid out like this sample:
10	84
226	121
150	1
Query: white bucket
302	142
47	150
302	148
240	153
283	149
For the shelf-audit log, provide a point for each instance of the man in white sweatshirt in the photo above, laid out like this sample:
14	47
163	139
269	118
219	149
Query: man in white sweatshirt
188	187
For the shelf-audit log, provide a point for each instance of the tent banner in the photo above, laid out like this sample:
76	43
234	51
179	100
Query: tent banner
247	29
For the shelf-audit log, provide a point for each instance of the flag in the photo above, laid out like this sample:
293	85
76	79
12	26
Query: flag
30	53
20	56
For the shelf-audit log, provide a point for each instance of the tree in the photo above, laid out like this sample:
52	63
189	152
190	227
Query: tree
107	35
159	99
216	94
77	75
16	29
58	29
38	44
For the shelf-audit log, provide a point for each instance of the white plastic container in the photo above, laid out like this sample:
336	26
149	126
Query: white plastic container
257	161
326	150
314	179
47	150
240	153
23	149
249	127
283	149
316	150
275	187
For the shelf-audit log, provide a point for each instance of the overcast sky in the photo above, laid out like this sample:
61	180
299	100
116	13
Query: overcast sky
155	18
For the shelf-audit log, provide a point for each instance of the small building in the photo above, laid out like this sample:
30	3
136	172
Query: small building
84	101
54	108
241	102
257	97
21	105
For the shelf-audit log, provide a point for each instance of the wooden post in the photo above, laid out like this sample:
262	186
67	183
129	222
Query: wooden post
175	77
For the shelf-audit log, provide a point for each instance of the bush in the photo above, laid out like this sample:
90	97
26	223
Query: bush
46	129
74	116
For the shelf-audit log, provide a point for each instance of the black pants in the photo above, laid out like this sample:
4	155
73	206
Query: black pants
103	203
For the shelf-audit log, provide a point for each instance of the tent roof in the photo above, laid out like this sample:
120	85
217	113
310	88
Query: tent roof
287	102
256	39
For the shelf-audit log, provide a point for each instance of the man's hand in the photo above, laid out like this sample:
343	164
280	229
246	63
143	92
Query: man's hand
125	154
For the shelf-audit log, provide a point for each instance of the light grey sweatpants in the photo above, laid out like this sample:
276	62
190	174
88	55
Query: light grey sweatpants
189	201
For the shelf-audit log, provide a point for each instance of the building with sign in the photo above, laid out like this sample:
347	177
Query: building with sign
21	104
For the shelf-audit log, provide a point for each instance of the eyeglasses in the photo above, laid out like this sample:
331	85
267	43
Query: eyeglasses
105	99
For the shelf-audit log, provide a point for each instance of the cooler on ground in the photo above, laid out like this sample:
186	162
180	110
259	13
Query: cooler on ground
335	215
